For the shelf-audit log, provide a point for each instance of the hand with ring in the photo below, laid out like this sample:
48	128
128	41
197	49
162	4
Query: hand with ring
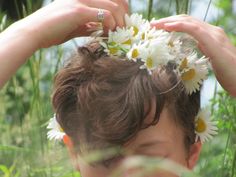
54	24
63	20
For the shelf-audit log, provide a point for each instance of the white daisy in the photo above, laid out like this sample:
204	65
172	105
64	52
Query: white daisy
204	127
156	55
154	34
119	41
137	23
175	44
137	51
111	48
121	36
55	132
151	34
193	71
189	44
156	48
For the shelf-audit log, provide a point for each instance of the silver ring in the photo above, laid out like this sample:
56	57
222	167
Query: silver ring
101	15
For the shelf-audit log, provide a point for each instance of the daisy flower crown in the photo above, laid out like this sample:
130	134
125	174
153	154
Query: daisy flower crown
156	48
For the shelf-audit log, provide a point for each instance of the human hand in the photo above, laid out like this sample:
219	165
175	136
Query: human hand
63	20
212	41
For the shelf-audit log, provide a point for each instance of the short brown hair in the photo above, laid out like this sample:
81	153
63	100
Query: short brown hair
99	100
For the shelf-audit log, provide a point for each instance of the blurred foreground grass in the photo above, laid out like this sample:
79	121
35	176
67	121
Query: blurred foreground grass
25	109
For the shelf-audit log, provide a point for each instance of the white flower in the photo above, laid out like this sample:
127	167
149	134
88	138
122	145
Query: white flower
156	48
154	34
175	44
55	132
136	51
204	127
156	55
137	23
189	44
193	71
119	41
121	36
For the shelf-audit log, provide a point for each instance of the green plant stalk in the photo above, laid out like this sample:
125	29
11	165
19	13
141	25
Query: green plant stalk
29	6
208	7
233	164
38	98
150	5
130	5
169	5
182	6
214	96
190	7
225	151
177	6
17	8
60	53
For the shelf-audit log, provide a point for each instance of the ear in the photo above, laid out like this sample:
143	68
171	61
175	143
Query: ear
70	147
194	153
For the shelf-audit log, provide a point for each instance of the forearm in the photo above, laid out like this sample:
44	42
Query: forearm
17	45
224	69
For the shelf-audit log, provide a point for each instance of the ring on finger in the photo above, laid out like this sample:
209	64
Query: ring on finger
101	15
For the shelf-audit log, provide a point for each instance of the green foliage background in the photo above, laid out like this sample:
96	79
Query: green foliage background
25	102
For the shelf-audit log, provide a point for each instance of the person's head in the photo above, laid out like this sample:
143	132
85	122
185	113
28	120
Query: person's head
103	101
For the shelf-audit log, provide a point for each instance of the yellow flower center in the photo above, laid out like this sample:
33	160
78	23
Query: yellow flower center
200	125
188	75
149	63
113	50
184	64
143	36
128	42
171	44
135	30
61	129
135	53
112	43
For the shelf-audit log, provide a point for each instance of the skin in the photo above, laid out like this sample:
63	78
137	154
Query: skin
52	25
165	140
213	42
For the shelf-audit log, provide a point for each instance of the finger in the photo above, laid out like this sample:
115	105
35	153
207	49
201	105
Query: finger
124	8
116	10
124	4
160	22
89	14
84	30
193	29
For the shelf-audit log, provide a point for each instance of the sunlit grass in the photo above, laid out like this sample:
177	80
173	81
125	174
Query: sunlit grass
25	109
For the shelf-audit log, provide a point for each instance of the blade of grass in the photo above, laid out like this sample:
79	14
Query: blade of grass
182	6
150	6
208	7
233	164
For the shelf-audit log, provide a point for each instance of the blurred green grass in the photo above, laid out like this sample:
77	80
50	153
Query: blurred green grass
25	109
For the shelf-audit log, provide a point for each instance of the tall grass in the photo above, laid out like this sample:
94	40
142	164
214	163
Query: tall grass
25	109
